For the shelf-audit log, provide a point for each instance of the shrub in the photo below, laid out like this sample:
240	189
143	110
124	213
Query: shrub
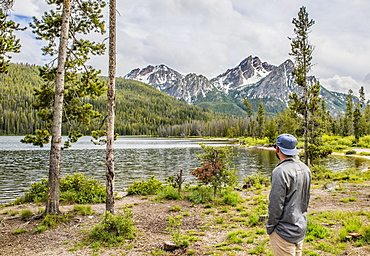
75	188
52	221
79	189
25	214
348	141
114	228
38	192
352	225
364	142
316	231
351	152
319	171
83	210
150	187
257	179
253	220
232	198
200	195
175	208
217	168
251	141
168	192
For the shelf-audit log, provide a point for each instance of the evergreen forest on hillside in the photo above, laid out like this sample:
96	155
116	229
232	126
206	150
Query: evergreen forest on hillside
143	110
140	108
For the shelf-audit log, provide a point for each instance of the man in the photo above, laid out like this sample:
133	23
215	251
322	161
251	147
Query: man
288	199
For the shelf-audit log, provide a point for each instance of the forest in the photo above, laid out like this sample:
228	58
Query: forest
143	110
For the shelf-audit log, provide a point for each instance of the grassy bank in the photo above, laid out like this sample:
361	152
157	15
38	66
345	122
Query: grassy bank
233	223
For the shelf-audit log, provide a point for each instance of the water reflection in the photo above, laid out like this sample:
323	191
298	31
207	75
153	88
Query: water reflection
135	159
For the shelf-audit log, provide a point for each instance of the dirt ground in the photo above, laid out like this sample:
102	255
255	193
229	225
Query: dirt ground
150	219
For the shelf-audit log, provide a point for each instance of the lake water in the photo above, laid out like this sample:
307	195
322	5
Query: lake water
136	158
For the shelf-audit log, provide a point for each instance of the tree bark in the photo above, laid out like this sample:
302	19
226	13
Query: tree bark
52	204
111	109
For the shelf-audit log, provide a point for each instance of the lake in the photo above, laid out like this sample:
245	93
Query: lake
136	158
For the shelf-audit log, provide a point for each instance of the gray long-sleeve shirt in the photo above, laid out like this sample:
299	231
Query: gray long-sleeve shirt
288	200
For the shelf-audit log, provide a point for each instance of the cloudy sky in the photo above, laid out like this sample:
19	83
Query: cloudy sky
209	36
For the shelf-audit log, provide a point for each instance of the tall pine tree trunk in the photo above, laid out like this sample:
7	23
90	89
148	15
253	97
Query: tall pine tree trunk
111	109
52	204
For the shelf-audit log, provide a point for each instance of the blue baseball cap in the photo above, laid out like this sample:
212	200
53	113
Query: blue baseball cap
287	144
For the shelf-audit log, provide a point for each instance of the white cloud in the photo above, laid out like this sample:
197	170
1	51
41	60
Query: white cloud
345	83
209	36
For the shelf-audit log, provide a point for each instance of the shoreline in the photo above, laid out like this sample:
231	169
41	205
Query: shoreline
358	150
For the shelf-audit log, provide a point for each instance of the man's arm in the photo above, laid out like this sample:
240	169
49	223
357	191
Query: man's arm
276	200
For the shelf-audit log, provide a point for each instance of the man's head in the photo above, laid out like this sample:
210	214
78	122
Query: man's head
287	144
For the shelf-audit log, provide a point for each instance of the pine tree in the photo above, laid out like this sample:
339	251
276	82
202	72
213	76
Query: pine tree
348	118
8	41
302	51
261	117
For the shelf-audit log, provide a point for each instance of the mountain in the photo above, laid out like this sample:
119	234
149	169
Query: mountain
171	82
253	79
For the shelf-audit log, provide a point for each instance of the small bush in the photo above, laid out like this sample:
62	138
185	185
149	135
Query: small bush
150	187
174	227
253	220
114	228
257	180
25	214
175	208
347	141
52	221
320	171
219	220
352	225
232	198
351	152
168	192
13	213
75	188
38	192
251	141
364	142
79	189
83	210
315	231
200	195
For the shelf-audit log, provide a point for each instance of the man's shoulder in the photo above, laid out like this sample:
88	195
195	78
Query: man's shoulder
289	163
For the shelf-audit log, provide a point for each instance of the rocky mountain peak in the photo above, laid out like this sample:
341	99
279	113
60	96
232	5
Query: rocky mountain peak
249	71
251	78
